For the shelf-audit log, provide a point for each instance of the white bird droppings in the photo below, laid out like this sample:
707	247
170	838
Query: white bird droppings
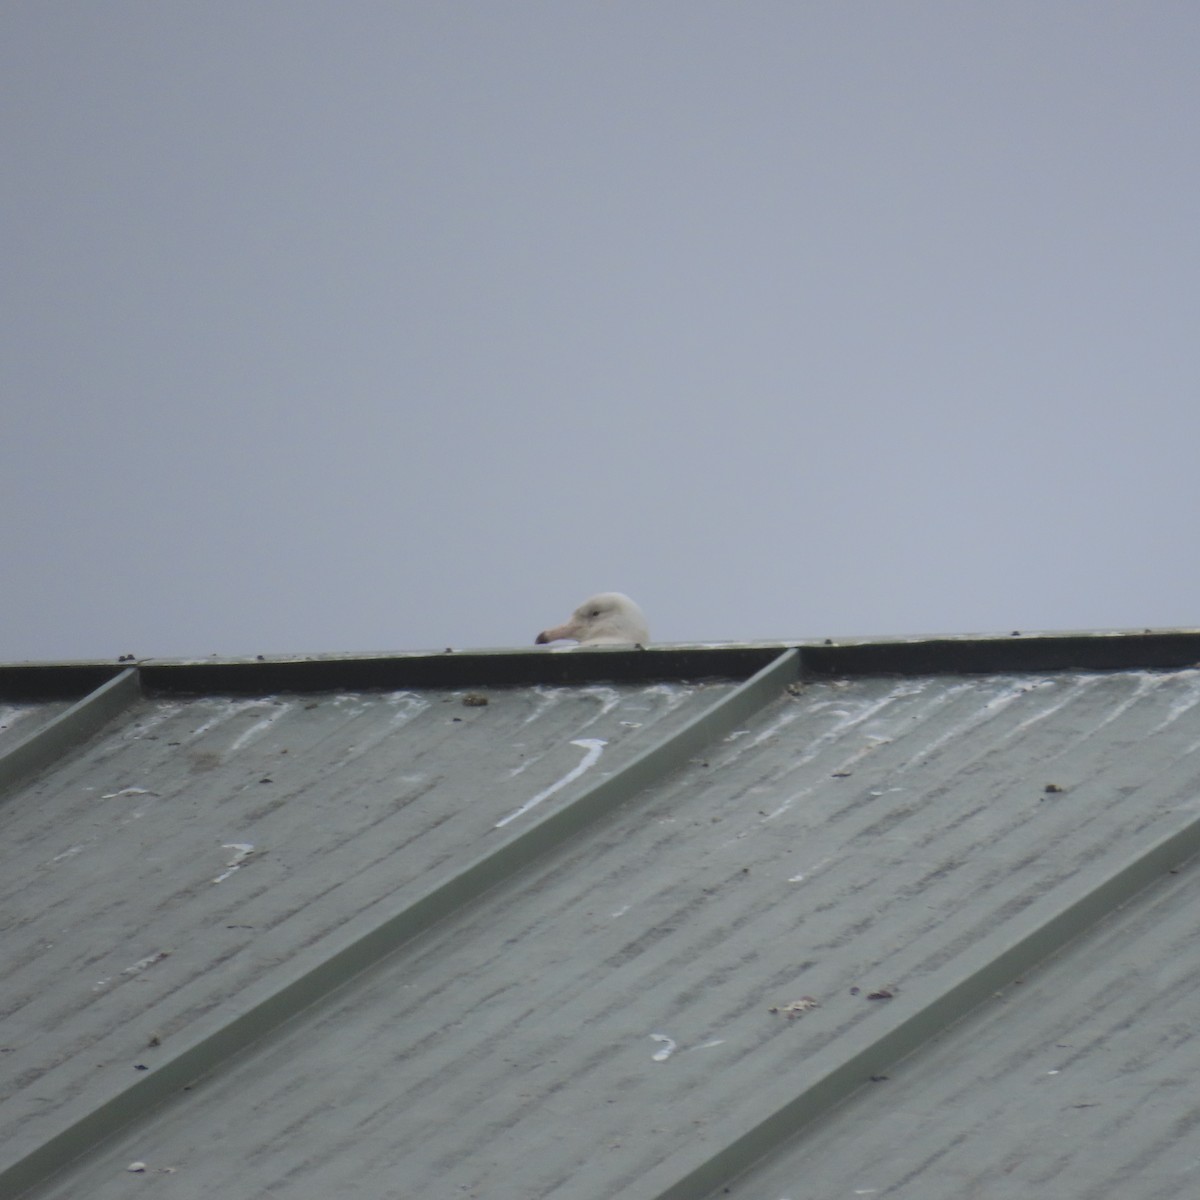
241	852
148	961
667	1050
593	746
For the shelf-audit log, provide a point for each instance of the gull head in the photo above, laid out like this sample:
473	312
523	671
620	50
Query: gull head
609	619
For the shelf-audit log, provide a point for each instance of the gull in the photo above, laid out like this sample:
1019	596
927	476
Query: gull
609	619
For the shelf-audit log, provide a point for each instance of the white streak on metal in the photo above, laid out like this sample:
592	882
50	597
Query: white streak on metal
609	698
164	710
667	1050
259	727
673	693
778	812
546	697
847	720
786	719
226	711
408	705
1181	704
981	715
242	851
593	746
10	714
148	961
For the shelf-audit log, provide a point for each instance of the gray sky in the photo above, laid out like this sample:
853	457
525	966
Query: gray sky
382	326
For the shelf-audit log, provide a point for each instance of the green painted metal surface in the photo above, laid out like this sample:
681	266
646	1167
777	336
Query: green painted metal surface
370	942
67	728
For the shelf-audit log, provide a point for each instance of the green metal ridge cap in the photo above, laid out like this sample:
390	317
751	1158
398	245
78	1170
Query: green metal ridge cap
943	654
912	1018
56	680
450	668
42	747
1017	651
823	658
368	939
778	644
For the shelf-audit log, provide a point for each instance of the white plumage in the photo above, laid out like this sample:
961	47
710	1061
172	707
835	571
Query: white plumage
609	619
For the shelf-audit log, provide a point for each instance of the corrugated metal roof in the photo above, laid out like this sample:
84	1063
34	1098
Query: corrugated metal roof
391	940
19	719
1077	1082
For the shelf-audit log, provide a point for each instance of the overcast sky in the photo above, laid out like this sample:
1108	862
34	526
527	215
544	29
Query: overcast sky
383	326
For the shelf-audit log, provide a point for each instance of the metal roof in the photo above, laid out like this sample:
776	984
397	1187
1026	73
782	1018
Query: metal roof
905	918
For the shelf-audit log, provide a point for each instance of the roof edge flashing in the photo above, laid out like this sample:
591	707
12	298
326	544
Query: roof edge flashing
1146	650
945	654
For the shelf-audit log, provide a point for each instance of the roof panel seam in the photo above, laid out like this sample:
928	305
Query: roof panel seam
209	1051
909	1024
61	734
